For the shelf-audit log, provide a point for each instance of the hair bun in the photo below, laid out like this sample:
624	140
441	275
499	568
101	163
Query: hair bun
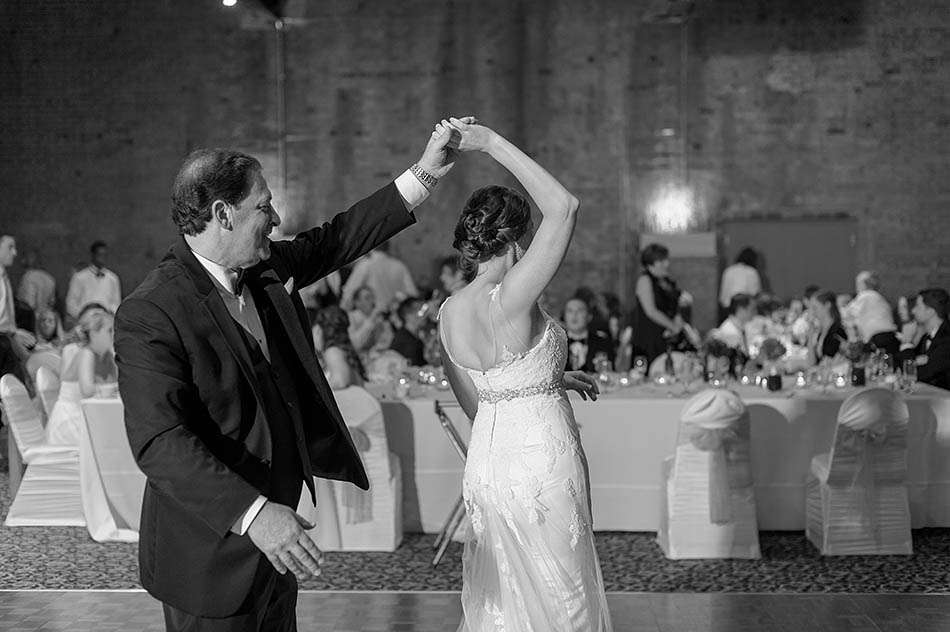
493	217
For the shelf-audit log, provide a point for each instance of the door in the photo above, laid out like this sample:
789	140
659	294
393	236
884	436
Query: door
796	253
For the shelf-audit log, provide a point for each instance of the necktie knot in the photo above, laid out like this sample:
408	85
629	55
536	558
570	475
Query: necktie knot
239	281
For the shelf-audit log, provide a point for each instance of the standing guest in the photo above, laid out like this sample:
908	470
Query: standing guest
94	364
842	300
732	329
407	340
15	342
37	286
94	284
385	275
451	275
871	315
366	320
932	353
658	297
339	359
827	338
584	343
742	277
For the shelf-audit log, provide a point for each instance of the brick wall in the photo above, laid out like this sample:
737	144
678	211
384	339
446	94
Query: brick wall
792	110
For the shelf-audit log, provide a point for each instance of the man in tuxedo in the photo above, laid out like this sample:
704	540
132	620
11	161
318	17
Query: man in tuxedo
227	411
583	342
732	329
932	353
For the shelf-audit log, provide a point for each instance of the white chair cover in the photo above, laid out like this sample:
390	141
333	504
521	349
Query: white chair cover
49	492
709	501
112	483
658	366
364	520
856	500
47	387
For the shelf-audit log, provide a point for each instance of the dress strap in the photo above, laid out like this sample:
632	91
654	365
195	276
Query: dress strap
445	345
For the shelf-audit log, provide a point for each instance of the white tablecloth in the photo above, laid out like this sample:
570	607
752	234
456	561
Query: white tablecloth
112	484
627	434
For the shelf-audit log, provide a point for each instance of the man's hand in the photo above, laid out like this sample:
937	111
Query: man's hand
443	149
25	339
582	383
281	535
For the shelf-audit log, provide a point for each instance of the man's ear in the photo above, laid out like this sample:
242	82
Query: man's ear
221	213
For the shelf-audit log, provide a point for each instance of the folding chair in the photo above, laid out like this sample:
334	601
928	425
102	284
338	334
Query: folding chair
454	520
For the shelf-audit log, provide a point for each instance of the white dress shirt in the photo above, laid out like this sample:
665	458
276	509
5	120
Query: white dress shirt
244	311
93	285
7	310
388	278
37	289
870	313
739	278
731	333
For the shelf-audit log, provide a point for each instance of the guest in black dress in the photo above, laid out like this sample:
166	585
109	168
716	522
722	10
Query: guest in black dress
828	338
658	297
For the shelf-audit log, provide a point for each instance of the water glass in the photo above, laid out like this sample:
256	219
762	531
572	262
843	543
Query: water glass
910	375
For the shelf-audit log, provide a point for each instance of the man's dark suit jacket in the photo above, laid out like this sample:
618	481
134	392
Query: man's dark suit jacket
937	370
194	412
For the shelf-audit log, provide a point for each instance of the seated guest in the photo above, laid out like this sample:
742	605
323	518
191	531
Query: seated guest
93	364
871	316
366	321
339	359
596	307
932	353
827	338
584	342
909	334
49	342
732	330
406	339
451	275
37	286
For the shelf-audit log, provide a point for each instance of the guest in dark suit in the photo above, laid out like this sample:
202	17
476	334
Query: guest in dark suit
227	411
584	343
932	353
406	340
827	338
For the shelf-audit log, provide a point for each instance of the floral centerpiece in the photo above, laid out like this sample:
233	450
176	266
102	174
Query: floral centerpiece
770	353
857	353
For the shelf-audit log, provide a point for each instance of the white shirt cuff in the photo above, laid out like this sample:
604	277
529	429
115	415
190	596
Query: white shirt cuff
241	525
412	191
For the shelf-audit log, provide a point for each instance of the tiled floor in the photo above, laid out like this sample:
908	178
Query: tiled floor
80	611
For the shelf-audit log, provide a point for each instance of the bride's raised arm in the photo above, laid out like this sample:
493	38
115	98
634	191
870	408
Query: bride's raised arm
532	273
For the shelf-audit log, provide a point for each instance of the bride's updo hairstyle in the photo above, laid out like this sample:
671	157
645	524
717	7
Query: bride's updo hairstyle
494	217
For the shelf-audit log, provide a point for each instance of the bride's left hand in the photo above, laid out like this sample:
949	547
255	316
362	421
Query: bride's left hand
582	383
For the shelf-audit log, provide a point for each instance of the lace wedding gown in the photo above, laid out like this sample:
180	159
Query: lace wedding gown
530	562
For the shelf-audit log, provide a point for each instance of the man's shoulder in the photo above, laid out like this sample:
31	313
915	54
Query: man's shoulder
163	285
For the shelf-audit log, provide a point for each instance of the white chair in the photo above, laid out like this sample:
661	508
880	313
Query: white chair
658	366
366	520
49	493
708	500
856	497
47	387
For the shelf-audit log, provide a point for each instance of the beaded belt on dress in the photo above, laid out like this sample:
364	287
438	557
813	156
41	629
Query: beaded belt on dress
493	397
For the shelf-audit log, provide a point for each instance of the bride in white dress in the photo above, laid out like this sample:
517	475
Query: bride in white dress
531	562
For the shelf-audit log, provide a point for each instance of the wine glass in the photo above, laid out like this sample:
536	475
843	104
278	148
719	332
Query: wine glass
910	375
640	365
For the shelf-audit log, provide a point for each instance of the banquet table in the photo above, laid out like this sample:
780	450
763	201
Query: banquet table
627	433
111	482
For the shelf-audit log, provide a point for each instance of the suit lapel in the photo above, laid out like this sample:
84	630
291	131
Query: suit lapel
284	307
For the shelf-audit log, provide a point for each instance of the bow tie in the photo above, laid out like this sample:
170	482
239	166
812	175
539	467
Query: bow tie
98	272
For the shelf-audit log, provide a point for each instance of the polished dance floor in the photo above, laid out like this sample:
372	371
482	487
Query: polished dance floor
127	611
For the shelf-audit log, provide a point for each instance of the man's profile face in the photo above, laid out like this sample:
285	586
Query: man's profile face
7	251
922	313
253	219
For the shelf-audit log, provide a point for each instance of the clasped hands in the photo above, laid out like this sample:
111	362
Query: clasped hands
449	139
